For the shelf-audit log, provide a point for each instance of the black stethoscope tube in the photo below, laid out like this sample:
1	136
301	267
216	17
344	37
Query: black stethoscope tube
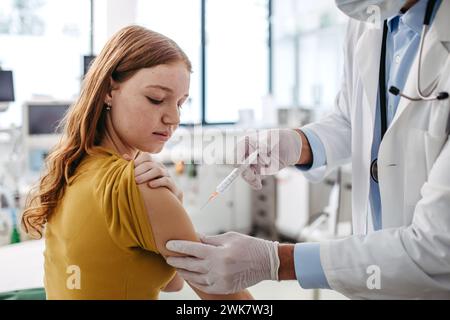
396	91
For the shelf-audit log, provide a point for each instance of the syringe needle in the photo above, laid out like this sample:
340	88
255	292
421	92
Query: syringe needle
207	201
212	196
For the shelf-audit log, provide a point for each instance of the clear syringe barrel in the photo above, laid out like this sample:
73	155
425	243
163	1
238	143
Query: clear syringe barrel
228	180
236	172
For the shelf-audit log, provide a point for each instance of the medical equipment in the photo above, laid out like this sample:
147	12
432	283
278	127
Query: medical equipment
264	209
44	118
223	186
41	130
87	61
6	86
6	89
9	229
396	91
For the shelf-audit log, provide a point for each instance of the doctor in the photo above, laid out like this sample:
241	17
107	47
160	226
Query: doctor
400	155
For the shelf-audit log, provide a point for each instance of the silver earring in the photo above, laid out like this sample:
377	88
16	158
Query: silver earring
108	107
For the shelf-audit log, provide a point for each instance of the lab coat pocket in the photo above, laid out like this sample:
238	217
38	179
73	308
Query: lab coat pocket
422	149
433	147
415	165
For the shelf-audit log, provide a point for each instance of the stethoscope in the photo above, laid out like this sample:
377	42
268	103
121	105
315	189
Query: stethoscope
421	96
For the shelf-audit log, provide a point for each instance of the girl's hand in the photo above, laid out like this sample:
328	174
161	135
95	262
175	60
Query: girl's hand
154	173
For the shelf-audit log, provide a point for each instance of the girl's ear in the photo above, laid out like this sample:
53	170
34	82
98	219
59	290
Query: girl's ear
112	86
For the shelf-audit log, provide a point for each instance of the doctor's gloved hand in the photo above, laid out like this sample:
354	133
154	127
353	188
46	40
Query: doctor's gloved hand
226	263
154	173
277	149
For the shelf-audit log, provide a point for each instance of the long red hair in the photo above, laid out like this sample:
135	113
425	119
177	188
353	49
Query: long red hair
129	50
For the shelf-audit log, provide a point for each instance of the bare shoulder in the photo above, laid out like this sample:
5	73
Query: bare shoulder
168	219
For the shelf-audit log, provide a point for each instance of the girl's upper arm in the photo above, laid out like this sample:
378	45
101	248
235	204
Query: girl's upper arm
169	221
167	218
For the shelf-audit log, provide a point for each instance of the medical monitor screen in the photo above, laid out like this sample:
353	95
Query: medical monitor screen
87	61
44	119
6	86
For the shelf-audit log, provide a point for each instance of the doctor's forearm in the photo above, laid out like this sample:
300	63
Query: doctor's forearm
306	157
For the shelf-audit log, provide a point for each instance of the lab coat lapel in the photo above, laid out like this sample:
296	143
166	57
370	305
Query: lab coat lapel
367	56
434	54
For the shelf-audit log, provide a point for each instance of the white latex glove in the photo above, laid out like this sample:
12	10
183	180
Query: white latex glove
226	263
276	148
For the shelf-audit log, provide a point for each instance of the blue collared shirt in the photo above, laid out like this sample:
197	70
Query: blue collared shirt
402	44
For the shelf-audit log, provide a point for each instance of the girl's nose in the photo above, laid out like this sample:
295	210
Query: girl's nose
172	116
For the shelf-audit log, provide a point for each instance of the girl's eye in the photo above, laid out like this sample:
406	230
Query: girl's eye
154	101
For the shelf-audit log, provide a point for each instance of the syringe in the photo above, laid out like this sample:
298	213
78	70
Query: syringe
231	177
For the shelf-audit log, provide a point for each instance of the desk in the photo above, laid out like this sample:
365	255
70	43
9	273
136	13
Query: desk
22	265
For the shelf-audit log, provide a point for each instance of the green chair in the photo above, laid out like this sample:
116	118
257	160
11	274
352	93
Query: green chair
26	294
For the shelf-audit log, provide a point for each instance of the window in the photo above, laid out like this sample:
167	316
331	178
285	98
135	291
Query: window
308	54
237	54
42	42
180	21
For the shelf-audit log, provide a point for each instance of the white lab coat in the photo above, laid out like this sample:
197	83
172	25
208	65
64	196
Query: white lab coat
412	251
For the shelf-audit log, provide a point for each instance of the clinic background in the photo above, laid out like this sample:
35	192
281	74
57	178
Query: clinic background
257	64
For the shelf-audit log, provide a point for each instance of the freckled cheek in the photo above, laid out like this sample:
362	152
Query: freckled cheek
144	126
129	126
137	120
